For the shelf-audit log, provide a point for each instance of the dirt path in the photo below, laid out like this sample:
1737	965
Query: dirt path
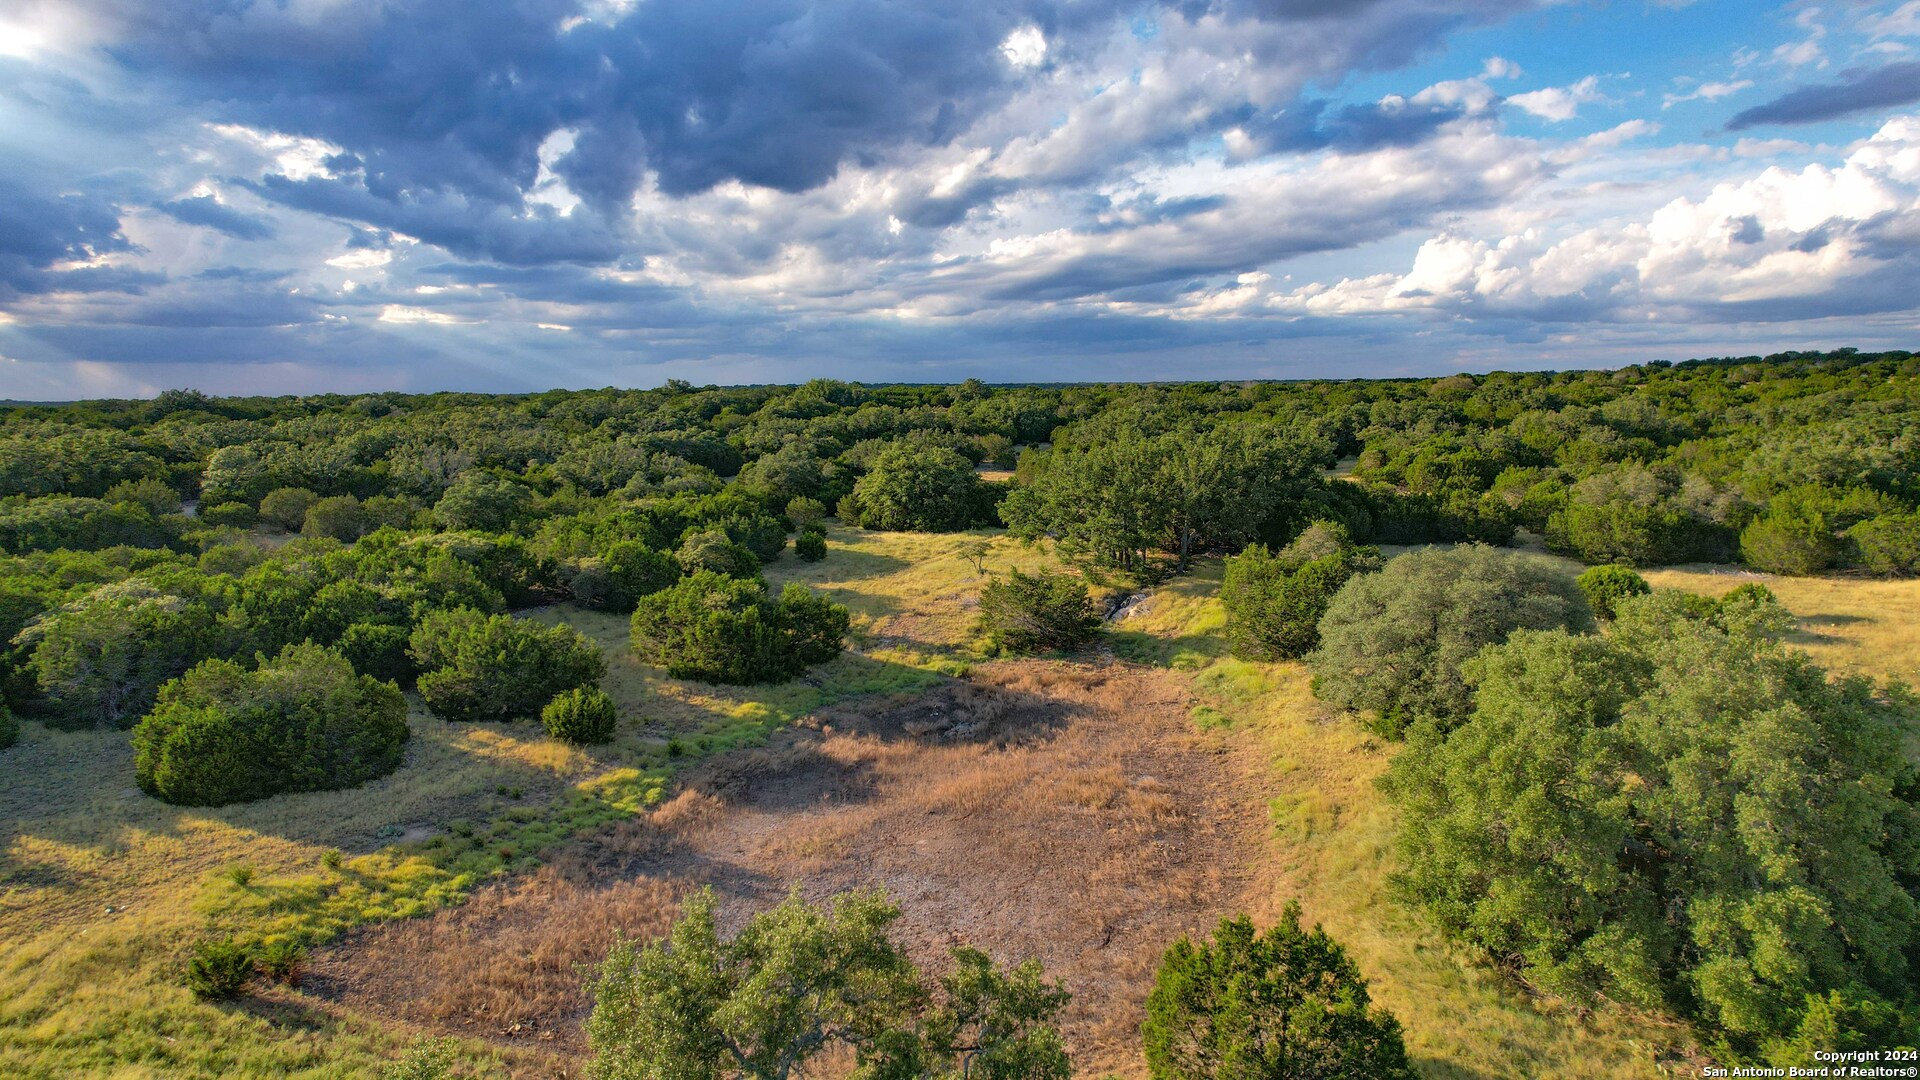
1049	810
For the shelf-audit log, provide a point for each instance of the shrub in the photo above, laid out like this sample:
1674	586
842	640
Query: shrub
378	650
9	727
484	502
1286	1004
810	545
1035	612
283	961
1789	542
340	517
101	659
237	514
1393	642
728	630
302	721
921	488
582	715
1888	544
1633	816
696	1004
711	550
219	969
1605	586
805	512
496	667
287	507
1274	602
635	570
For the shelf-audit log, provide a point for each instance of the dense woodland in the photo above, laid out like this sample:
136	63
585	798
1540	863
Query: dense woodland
1681	813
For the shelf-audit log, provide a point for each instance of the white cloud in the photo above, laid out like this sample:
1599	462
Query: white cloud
1712	91
362	259
1903	21
1025	47
401	313
1560	103
294	156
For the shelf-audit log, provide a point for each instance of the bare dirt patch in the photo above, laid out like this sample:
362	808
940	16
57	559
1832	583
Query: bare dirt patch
1048	810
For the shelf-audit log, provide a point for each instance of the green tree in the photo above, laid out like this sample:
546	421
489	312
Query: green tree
301	721
1790	541
811	544
1393	642
495	667
1274	602
339	517
1888	544
804	512
800	980
1035	612
921	489
728	630
484	501
1287	1004
584	714
1683	814
101	659
713	551
1605	586
287	507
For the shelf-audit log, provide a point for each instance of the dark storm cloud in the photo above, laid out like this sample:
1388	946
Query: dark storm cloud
208	211
38	231
1894	84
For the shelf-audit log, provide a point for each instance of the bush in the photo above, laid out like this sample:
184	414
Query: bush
582	715
1274	602
9	727
484	502
283	961
728	630
1393	642
1656	817
287	507
810	545
302	721
1888	544
340	517
1605	586
1036	612
635	570
805	512
1787	542
378	650
711	550
921	488
1287	1004
219	969
496	667
237	514
101	659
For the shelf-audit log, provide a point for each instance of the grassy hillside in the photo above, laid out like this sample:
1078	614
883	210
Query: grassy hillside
103	889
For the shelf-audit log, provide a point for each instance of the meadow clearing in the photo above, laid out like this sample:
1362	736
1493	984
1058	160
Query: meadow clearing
1086	810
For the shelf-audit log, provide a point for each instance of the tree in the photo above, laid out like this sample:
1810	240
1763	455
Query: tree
1789	542
287	507
9	727
1274	602
301	721
1035	612
921	489
1605	586
713	551
100	659
800	980
811	544
804	512
1683	814
483	501
976	552
1286	1004
340	517
728	630
635	570
496	667
1888	544
1393	642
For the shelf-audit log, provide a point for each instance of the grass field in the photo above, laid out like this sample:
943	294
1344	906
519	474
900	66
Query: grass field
102	890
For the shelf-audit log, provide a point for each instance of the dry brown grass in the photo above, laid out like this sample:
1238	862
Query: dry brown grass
1041	810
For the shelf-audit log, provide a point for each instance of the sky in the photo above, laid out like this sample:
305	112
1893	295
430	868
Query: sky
302	196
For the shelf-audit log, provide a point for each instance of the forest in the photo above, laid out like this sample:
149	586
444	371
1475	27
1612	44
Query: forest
1674	820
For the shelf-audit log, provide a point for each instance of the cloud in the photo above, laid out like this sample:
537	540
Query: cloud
1880	88
1559	103
1711	91
209	211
